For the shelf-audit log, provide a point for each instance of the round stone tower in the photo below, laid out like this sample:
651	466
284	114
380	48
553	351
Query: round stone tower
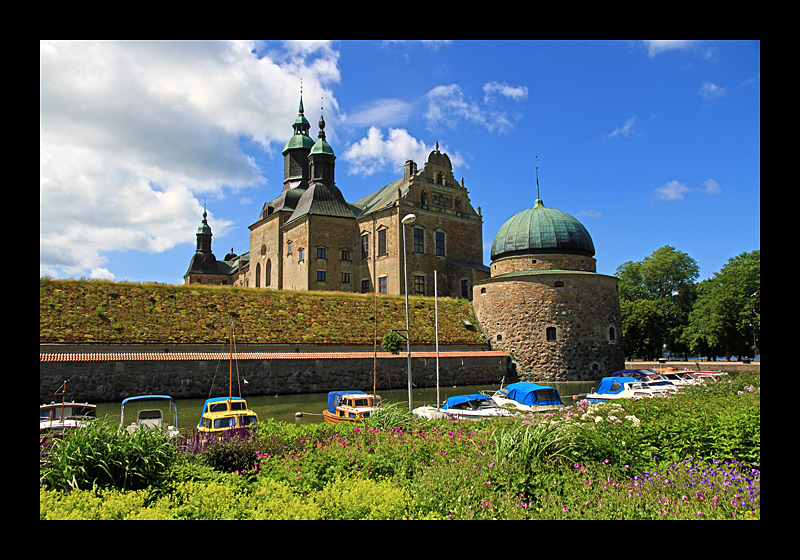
545	304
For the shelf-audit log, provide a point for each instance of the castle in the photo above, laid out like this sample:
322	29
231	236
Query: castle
311	238
542	301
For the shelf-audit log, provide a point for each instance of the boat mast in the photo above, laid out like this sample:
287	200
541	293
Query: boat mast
230	365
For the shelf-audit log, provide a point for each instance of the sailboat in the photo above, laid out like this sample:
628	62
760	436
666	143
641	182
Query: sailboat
433	412
355	405
224	413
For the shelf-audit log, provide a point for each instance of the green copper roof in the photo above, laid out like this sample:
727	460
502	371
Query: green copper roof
300	139
321	146
204	228
541	230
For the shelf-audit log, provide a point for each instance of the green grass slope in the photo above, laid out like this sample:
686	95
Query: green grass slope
90	311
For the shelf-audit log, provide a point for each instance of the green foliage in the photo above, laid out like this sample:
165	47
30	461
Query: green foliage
103	455
362	498
232	453
392	342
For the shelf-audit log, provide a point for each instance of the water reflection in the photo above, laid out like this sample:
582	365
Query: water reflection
284	407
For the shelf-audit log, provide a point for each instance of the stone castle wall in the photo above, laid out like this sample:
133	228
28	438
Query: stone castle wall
557	325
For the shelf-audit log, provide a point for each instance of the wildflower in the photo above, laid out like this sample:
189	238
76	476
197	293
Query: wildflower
566	508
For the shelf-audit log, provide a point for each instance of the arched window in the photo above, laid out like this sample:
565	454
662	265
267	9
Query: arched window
612	334
558	284
268	273
258	275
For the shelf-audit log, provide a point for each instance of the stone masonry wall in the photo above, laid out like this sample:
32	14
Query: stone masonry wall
111	377
586	343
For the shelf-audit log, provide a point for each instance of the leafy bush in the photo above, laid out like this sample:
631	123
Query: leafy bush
103	455
233	451
362	498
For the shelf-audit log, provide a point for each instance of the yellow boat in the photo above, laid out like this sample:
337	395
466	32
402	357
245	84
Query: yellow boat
349	406
225	413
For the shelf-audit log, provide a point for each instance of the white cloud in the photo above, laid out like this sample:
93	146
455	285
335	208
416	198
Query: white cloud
375	153
628	129
589	213
448	105
675	190
381	112
710	91
516	93
710	186
132	133
655	47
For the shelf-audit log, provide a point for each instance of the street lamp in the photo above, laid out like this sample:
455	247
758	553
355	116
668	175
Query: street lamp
408	219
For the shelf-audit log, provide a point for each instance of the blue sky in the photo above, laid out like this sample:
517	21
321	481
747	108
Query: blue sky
647	143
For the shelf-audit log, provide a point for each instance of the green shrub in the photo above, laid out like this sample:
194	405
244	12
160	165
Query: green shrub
103	455
361	498
232	453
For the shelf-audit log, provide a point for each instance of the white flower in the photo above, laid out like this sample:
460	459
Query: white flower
598	419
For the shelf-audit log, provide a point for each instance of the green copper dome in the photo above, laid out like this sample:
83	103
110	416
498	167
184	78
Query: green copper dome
542	230
300	139
321	146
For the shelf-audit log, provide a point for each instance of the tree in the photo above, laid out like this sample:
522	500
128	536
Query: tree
643	328
666	278
726	319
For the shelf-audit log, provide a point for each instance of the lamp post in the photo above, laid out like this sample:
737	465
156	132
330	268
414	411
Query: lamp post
408	219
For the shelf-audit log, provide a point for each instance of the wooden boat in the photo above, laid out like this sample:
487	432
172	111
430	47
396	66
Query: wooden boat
152	417
225	413
56	417
349	406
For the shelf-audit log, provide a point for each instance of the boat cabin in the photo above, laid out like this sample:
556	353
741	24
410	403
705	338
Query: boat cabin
349	405
223	413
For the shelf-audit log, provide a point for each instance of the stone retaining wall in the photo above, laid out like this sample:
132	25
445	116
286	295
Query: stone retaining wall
113	376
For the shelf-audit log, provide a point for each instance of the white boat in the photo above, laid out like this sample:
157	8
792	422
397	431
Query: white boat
56	417
528	397
623	387
472	407
152	417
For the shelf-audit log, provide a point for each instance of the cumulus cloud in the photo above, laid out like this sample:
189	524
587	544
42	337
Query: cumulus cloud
448	105
383	112
376	152
134	133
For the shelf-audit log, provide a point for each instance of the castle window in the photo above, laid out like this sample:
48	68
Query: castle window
383	284
419	240
365	286
483	291
558	284
419	285
550	333
268	272
321	276
382	241
365	246
499	338
465	289
322	253
288	248
258	275
300	255
345	255
612	334
440	247
345	277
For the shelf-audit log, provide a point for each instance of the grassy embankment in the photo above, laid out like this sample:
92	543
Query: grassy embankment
91	311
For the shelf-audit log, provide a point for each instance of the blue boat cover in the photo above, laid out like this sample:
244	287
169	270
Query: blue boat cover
532	394
146	397
639	374
607	382
452	401
334	396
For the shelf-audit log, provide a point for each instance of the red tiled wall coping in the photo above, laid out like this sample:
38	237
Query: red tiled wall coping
209	356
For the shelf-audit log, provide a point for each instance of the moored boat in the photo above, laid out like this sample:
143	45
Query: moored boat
472	407
225	413
56	417
625	387
528	397
349	406
152	417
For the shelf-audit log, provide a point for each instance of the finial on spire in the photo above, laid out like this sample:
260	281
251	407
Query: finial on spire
537	178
